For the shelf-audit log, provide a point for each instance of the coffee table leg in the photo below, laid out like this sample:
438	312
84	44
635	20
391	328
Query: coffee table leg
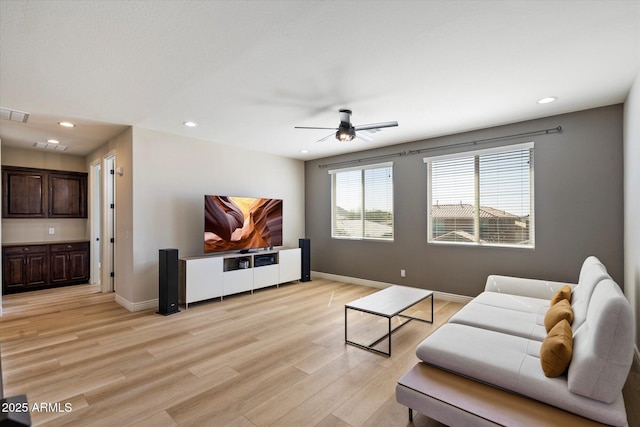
345	324
431	308
389	336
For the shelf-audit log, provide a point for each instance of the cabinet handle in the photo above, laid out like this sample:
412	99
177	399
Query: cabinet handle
69	246
25	249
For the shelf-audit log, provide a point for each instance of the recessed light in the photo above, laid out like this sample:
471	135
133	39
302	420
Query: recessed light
190	124
304	151
547	100
53	141
67	124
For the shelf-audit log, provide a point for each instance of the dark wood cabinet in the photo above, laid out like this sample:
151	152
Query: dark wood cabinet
43	193
30	267
69	263
67	195
25	267
24	193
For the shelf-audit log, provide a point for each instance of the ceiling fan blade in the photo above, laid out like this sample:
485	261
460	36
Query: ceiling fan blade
308	127
331	135
376	126
365	138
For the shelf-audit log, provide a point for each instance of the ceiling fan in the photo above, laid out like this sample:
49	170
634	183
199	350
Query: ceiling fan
347	132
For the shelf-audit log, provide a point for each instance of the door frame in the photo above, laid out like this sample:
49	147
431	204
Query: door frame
108	222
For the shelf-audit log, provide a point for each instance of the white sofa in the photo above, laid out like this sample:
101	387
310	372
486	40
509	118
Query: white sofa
496	339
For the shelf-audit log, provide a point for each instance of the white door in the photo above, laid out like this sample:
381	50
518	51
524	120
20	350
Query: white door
96	222
108	244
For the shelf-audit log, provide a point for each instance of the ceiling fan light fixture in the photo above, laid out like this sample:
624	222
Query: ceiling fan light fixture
346	134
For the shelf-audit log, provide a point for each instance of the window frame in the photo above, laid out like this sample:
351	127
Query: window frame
476	223
362	170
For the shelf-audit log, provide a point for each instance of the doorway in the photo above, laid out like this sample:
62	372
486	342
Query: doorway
96	222
108	223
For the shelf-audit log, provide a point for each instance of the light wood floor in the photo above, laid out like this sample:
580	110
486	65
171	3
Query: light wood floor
276	357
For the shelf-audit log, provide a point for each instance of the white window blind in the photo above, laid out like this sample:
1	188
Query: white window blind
362	202
484	197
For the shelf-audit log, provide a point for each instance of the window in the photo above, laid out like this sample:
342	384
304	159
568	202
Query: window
482	197
362	202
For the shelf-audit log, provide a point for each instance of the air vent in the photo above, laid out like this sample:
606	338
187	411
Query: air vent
14	115
47	146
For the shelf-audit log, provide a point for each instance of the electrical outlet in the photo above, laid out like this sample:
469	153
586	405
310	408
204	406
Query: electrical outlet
403	273
52	230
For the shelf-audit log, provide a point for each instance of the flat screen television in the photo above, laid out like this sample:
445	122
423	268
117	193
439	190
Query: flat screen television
241	223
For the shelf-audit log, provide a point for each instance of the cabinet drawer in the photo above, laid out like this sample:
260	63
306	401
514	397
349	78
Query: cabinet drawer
27	249
65	247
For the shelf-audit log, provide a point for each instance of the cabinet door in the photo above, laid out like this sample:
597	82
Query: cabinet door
69	262
59	267
13	272
67	195
24	194
290	265
79	265
37	273
203	279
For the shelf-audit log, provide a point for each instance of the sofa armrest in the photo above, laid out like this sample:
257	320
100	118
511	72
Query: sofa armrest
534	288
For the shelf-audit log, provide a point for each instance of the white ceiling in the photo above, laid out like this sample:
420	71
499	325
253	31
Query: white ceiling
249	71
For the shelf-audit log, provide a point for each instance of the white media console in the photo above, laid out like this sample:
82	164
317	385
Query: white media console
214	276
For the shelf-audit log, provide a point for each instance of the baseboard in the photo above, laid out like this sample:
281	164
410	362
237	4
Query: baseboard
136	306
462	299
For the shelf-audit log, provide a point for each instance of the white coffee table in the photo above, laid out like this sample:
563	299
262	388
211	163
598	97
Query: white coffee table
389	302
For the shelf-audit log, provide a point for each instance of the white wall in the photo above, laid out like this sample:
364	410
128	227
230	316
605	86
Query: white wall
33	158
632	201
171	175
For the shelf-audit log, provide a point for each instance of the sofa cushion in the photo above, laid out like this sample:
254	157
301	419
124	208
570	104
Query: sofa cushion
534	288
562	293
513	302
592	273
511	363
557	312
587	268
479	353
556	349
603	345
513	322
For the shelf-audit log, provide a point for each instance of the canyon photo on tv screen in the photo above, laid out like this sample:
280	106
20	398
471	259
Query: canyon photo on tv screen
241	223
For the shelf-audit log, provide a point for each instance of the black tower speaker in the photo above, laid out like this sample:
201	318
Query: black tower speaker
305	246
168	282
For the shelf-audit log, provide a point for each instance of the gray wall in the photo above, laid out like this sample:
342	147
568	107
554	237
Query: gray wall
578	208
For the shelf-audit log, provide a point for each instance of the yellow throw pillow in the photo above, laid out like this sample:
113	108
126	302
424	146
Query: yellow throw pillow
557	349
557	312
562	293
